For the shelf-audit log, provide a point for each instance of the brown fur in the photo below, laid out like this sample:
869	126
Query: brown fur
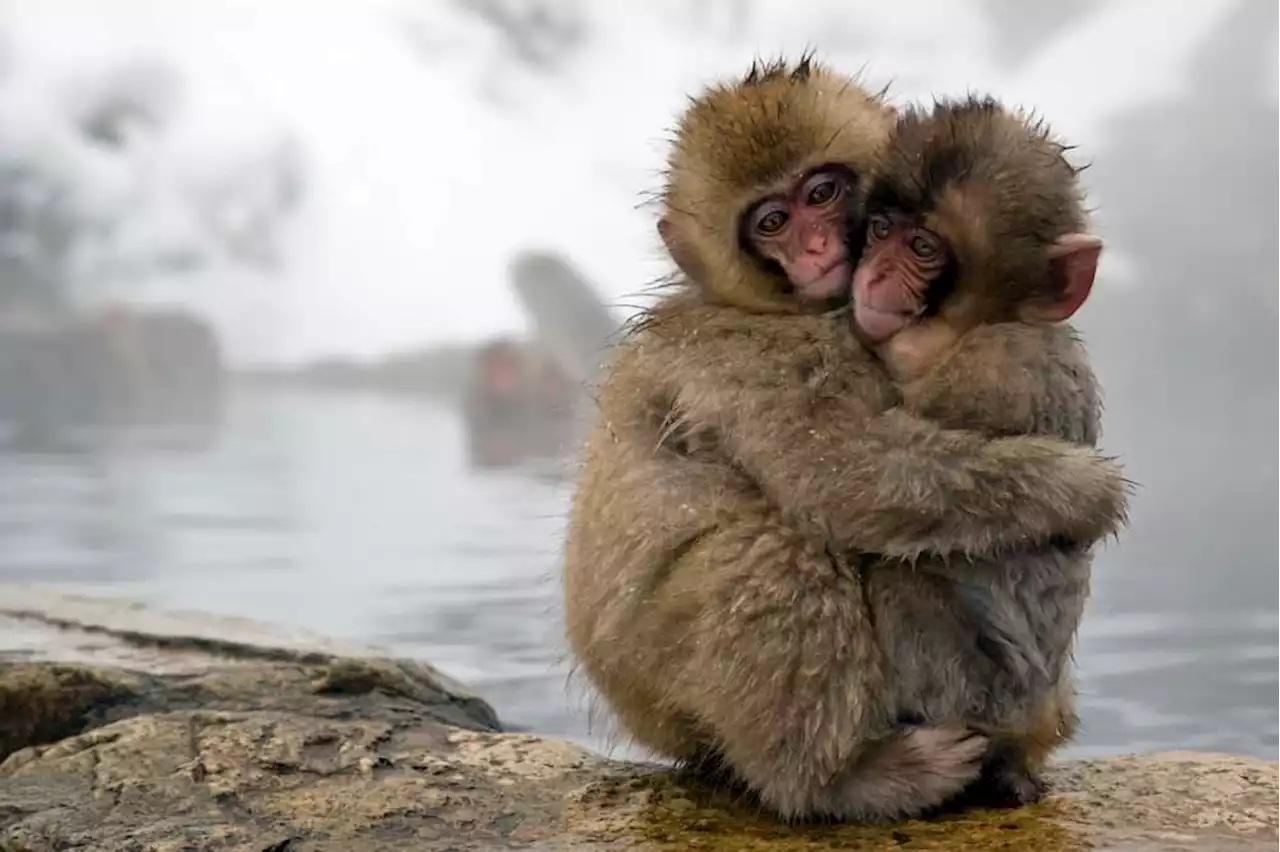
738	142
741	461
1010	622
996	186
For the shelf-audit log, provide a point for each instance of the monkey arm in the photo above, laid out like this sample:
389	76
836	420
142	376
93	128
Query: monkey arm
891	482
1015	378
902	486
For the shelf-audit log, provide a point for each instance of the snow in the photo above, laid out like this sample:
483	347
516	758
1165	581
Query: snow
432	155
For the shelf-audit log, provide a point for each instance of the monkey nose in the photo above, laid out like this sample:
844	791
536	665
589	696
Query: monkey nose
816	241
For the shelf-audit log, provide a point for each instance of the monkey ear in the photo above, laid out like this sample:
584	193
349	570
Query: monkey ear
684	256
1073	264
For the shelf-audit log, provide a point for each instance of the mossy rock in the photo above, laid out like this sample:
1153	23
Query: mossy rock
206	742
355	756
41	703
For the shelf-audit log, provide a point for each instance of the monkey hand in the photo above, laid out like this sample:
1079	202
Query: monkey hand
952	491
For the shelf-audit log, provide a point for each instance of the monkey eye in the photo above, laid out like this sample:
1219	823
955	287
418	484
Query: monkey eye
923	247
823	192
771	219
880	226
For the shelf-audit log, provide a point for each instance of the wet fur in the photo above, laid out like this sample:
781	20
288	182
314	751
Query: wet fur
719	592
999	631
738	141
996	183
711	620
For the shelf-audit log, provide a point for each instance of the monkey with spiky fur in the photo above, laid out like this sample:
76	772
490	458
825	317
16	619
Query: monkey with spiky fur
747	442
976	252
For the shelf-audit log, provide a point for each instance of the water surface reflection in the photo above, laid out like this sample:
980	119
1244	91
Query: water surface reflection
355	516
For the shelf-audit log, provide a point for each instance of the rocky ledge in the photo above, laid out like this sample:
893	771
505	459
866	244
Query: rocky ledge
126	729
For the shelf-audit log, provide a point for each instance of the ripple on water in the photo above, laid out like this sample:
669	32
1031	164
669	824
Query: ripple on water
1191	679
355	516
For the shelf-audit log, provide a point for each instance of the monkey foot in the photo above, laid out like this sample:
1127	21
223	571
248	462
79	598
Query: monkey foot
710	767
1001	785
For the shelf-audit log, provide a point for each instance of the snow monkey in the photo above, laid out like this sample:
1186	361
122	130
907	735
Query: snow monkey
976	250
753	485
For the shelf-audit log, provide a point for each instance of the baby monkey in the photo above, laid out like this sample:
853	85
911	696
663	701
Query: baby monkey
747	444
976	219
777	181
975	250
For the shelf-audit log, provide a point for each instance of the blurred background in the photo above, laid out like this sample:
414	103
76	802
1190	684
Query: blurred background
298	303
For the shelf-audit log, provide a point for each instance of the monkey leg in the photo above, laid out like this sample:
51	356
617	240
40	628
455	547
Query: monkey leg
1006	781
1015	777
647	719
780	664
1053	725
1011	771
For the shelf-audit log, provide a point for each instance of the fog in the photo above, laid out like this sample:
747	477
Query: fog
336	193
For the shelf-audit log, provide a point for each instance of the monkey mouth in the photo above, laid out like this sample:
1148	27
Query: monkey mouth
835	280
877	326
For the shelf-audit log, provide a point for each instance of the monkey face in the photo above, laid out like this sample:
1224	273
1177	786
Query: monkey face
895	280
802	230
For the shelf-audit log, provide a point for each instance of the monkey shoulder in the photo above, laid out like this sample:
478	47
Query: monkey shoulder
639	397
1013	379
735	347
1027	344
673	378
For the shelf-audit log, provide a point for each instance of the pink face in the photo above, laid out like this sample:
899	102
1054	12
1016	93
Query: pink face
804	231
898	266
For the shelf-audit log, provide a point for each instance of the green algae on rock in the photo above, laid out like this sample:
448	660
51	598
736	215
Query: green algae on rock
1208	802
210	763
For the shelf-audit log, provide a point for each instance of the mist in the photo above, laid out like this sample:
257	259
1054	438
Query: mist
365	211
435	149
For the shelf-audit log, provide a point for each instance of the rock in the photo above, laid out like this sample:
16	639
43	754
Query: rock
45	703
233	747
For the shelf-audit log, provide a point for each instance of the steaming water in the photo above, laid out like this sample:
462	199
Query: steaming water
355	516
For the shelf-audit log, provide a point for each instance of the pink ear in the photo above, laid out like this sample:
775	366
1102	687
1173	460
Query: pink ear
1073	264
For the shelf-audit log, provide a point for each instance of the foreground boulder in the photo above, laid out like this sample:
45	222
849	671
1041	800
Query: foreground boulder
217	745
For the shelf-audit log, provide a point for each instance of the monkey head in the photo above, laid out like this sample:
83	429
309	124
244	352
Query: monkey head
974	217
765	182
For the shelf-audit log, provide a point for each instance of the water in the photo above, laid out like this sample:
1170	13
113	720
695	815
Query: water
354	515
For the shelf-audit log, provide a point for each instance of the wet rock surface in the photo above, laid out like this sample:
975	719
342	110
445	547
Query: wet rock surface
124	740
